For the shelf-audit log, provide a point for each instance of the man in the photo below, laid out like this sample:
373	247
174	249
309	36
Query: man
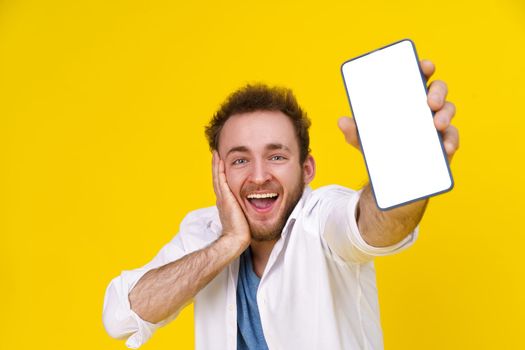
274	264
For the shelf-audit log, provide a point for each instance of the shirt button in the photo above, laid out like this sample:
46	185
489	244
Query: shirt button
230	307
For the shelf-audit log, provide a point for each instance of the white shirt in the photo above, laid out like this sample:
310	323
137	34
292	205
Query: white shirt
318	290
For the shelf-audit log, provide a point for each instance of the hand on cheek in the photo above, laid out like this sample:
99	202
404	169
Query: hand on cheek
234	223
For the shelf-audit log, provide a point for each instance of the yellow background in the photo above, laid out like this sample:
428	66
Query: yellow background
102	108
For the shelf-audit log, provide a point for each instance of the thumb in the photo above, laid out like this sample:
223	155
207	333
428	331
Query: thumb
349	129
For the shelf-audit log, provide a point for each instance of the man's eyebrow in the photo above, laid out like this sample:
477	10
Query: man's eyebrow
237	149
275	146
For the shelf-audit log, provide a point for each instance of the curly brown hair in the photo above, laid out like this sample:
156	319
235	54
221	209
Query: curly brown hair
261	97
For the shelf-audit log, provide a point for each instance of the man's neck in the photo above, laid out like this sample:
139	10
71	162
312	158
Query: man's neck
260	254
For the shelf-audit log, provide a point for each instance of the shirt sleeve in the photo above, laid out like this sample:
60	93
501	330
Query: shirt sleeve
120	321
340	229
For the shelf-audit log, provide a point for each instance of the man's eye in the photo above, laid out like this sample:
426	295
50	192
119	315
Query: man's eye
277	158
239	161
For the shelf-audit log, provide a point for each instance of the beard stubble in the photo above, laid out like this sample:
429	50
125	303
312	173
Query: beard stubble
260	233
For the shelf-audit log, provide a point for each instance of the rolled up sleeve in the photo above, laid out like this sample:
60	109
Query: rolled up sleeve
120	321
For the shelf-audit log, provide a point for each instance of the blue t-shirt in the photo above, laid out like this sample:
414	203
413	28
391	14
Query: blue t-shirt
249	330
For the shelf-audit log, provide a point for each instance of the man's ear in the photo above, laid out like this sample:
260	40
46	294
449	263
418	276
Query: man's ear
309	169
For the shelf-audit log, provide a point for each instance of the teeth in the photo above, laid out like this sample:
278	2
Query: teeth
261	195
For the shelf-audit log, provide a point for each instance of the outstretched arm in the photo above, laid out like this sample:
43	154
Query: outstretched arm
383	228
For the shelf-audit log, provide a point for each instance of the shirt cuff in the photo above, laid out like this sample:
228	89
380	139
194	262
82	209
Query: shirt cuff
119	319
144	331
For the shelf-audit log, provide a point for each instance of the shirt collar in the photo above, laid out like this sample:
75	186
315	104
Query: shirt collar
295	212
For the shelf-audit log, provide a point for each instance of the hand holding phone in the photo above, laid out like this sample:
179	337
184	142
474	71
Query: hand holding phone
403	151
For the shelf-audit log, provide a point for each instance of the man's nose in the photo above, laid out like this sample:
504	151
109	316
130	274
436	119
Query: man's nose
260	173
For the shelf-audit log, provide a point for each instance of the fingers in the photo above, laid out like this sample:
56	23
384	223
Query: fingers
445	111
451	141
223	183
349	129
220	184
427	67
437	93
215	175
443	117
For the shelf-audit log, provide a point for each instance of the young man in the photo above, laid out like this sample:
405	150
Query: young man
274	264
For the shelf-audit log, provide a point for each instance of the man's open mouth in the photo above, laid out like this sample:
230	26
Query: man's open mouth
262	201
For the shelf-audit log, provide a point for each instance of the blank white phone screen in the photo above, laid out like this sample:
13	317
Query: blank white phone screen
400	144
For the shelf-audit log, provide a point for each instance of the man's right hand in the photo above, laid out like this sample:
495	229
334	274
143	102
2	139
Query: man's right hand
234	223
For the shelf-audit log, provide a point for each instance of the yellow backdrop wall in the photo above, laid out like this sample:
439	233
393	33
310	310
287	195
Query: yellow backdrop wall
102	108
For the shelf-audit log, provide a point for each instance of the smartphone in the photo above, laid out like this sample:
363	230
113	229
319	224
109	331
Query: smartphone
403	150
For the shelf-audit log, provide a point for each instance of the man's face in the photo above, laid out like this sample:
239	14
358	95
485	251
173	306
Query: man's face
261	157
